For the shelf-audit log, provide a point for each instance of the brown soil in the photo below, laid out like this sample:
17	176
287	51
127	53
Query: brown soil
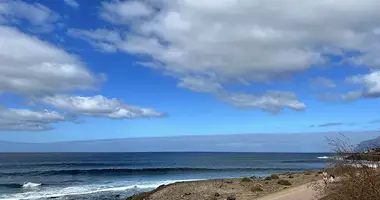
221	189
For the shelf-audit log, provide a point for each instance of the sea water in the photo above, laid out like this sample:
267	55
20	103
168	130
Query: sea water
118	175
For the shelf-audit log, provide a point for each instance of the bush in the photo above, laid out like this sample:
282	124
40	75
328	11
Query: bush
268	178
359	183
274	176
291	176
355	179
257	188
246	179
284	182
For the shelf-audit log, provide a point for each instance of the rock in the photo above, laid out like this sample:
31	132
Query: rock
186	194
117	196
229	181
216	194
232	197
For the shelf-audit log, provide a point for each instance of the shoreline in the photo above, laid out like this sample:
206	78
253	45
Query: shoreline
232	188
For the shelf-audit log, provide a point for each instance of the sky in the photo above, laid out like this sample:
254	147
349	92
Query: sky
85	70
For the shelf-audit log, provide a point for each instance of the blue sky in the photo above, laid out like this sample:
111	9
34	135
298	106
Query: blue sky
83	70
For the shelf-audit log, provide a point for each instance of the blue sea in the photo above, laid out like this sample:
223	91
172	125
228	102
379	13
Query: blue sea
118	175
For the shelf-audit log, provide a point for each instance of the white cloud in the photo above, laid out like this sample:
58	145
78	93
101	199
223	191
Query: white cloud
72	3
98	106
271	101
370	83
124	11
322	82
227	38
26	120
242	41
40	17
29	66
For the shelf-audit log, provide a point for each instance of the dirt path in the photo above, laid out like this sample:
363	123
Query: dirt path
303	192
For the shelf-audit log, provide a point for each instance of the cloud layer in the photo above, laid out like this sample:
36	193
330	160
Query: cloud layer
32	67
40	17
98	106
27	120
240	41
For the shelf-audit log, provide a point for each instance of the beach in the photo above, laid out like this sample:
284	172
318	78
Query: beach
286	186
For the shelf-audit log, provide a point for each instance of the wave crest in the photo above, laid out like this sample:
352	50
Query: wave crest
31	185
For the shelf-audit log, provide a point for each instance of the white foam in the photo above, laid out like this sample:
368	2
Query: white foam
323	157
30	185
86	189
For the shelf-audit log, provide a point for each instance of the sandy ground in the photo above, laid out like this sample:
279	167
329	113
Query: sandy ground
303	192
240	189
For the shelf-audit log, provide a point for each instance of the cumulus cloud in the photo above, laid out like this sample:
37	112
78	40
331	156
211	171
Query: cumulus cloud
242	41
27	120
322	82
29	66
371	84
40	17
271	101
98	106
72	3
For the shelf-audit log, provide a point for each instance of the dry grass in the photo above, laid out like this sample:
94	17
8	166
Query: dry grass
355	180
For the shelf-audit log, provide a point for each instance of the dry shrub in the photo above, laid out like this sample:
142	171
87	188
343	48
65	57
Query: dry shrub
284	182
257	188
354	179
246	179
274	176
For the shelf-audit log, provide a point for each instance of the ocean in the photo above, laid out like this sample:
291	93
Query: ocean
118	175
